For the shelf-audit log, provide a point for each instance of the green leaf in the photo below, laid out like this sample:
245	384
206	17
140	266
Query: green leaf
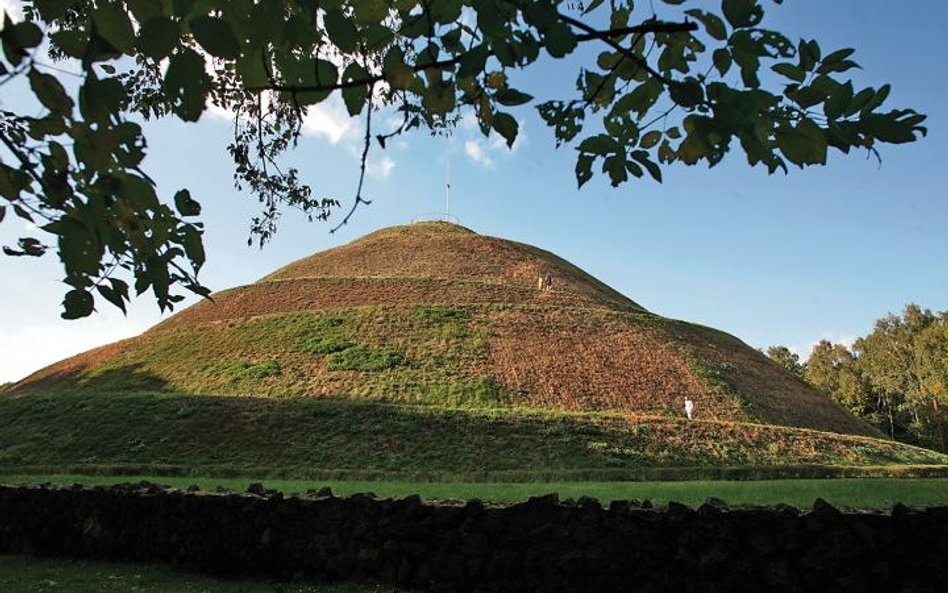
650	139
50	92
559	40
838	56
143	10
615	166
687	93
267	18
186	205
838	100
843	66
512	97
215	36
355	96
439	98
78	303
473	62
790	71
183	8
712	23
584	168
396	72
505	125
742	13
600	144
722	60
113	25
193	245
158	38
187	84
640	99
51	10
653	169
877	99
803	144
250	67
114	296
341	30
489	16
72	43
369	12
100	100
23	35
809	54
445	11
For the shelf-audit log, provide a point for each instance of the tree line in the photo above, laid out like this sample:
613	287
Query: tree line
895	378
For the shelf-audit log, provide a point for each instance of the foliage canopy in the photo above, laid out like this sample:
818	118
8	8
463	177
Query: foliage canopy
658	92
895	377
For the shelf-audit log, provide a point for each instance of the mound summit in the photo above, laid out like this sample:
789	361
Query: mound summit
432	316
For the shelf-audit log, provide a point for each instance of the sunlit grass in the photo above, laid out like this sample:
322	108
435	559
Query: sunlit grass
849	493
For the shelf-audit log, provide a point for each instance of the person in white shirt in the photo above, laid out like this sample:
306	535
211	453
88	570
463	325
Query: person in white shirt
689	408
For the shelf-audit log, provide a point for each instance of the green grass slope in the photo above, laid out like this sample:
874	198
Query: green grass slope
477	356
211	435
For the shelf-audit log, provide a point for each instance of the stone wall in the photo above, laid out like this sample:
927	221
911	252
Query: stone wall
538	546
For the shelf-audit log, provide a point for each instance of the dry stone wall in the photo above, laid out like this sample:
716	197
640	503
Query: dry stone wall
537	546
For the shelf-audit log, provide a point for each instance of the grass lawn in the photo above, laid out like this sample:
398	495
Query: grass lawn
860	493
24	574
161	434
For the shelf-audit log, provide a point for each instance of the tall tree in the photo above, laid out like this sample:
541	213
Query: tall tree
786	358
896	377
824	366
686	89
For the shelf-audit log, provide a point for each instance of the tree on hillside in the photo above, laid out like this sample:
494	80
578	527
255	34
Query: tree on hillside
895	378
823	368
686	86
892	356
786	358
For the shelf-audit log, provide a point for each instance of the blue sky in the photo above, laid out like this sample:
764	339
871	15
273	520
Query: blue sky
776	259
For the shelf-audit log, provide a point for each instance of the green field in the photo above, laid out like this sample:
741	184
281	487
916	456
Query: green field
849	493
23	574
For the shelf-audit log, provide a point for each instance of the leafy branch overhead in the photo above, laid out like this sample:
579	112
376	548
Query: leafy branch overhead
686	85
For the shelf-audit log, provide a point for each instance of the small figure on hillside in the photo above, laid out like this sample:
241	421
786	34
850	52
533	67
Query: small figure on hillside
548	281
689	408
540	283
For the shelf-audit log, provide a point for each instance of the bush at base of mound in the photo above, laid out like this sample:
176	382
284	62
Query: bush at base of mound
311	436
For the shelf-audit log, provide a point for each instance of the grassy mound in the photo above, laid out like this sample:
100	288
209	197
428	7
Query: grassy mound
212	435
571	359
448	330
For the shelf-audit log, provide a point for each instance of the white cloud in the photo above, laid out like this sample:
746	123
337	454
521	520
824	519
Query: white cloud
330	120
29	348
380	169
476	152
483	151
13	7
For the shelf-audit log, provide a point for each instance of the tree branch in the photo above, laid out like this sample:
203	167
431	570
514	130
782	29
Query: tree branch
349	83
649	26
607	38
365	158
